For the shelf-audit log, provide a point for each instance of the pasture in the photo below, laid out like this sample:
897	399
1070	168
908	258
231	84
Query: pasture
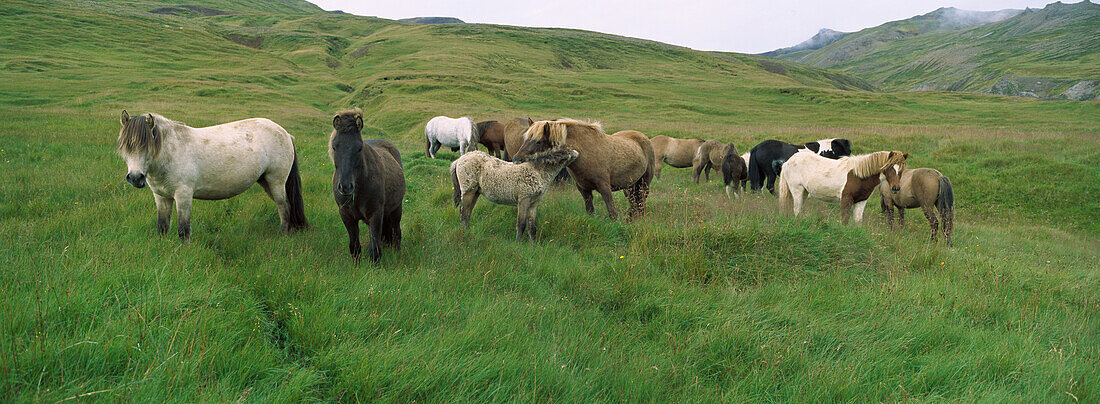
704	298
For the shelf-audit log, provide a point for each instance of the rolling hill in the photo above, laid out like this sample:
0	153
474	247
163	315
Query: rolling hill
1038	53
702	299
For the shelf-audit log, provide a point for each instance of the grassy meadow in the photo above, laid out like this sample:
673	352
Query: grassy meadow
703	299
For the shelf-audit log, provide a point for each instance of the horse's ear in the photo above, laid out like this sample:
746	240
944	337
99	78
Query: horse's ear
813	146
530	121
125	117
905	155
152	122
359	121
335	121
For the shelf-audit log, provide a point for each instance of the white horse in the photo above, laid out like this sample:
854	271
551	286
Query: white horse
458	133
181	163
850	180
517	184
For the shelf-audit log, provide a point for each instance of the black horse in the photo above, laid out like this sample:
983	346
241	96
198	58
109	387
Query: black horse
369	184
767	158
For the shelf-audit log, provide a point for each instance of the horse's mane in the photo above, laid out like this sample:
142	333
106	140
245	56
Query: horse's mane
551	158
559	129
867	165
138	137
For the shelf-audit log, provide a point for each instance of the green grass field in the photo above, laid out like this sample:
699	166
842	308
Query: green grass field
703	299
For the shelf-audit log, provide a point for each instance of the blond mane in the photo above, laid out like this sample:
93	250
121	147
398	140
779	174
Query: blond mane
559	129
867	165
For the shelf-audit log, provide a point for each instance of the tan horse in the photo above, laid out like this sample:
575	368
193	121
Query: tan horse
709	155
513	135
607	163
675	152
920	188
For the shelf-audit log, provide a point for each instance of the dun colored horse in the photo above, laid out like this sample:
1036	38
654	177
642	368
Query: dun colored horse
850	180
368	185
607	163
181	163
675	152
920	188
709	155
513	135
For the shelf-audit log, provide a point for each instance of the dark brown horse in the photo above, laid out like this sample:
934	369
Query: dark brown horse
513	135
369	184
734	171
491	134
607	163
920	188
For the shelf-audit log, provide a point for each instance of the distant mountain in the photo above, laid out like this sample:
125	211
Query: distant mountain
823	37
433	20
1052	53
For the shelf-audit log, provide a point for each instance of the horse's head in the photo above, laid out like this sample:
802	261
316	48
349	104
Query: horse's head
346	149
540	136
895	164
138	143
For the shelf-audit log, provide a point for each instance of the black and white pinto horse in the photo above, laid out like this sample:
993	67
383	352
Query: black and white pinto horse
766	158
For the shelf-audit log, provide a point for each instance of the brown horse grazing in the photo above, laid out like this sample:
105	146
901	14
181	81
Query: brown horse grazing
369	184
513	135
492	136
735	171
708	156
622	161
920	188
675	152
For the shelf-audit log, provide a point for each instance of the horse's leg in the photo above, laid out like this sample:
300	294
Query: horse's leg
521	216
391	228
845	208
435	147
586	194
798	193
858	210
532	220
901	217
352	226
468	200
276	189
696	169
948	219
888	210
375	247
183	213
605	193
706	170
164	212
932	221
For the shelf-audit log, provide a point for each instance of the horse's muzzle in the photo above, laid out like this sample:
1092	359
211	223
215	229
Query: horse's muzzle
345	189
137	180
894	190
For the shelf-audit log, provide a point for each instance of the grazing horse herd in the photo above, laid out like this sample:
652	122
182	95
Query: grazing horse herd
181	163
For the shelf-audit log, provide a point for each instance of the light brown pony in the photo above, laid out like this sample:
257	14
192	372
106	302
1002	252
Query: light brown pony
607	163
920	188
709	155
513	135
679	153
491	134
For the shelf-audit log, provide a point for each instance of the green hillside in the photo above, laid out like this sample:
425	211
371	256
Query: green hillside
1038	53
703	299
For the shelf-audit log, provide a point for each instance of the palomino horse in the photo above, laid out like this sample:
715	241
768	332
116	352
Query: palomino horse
368	185
622	161
458	133
709	155
734	171
851	180
767	158
675	152
181	163
513	135
920	188
491	134
521	185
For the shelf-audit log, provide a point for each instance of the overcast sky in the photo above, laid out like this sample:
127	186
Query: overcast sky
739	25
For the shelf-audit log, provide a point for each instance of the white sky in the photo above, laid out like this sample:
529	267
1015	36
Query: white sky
739	25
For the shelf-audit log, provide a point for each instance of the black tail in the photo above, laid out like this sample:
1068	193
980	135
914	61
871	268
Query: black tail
756	172
296	217
945	202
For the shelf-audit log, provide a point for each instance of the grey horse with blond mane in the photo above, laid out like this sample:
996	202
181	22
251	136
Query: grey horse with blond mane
181	163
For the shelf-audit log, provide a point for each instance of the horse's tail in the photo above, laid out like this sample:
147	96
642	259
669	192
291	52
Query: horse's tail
457	193
756	178
945	202
784	194
296	216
